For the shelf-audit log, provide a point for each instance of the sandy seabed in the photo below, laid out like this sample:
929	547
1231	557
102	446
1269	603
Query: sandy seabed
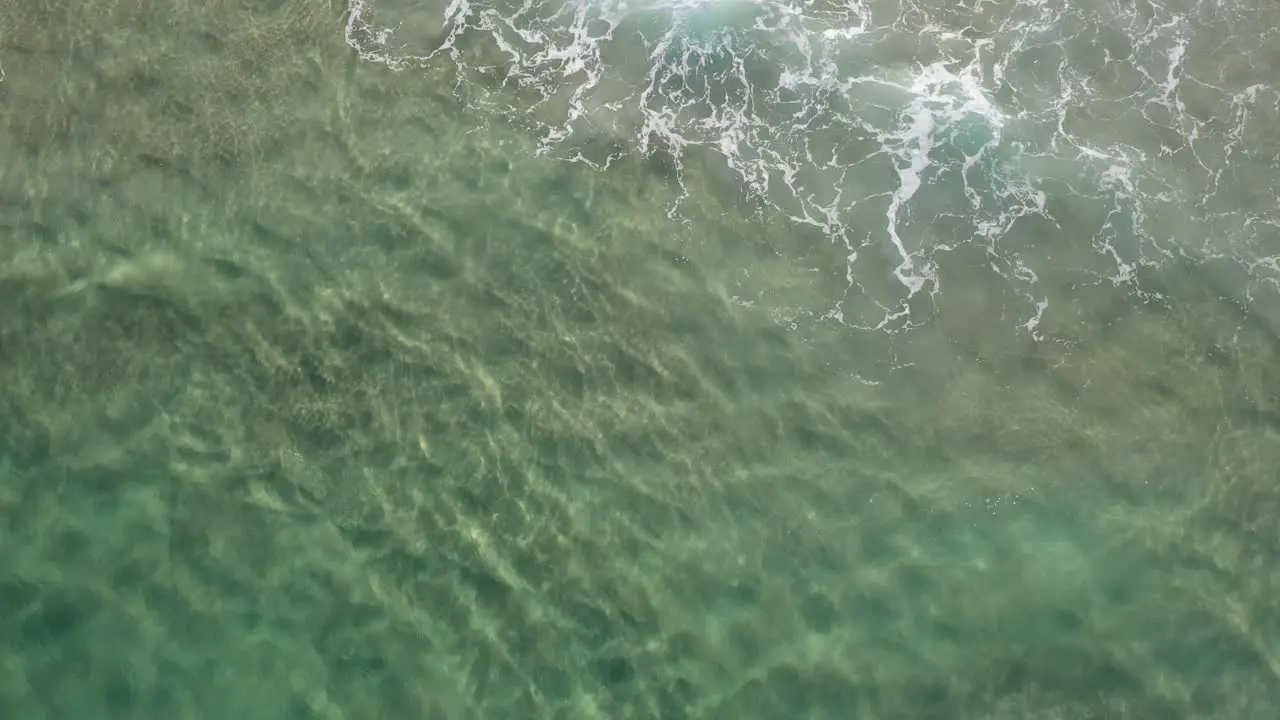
321	397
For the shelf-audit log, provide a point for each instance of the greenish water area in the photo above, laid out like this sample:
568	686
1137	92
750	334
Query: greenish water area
667	360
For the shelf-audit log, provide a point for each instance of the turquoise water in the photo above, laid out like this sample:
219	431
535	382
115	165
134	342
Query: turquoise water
351	380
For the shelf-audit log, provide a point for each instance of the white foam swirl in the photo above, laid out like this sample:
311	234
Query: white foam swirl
835	112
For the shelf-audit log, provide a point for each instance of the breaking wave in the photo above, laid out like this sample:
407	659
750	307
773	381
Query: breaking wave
1038	133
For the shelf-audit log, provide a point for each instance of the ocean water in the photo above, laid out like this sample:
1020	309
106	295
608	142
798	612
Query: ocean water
659	359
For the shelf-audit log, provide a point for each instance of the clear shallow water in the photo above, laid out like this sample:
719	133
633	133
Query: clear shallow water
332	390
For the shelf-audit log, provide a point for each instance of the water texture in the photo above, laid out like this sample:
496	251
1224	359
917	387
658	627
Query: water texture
666	360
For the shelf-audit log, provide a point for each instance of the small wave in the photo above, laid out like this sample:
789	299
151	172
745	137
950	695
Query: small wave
994	117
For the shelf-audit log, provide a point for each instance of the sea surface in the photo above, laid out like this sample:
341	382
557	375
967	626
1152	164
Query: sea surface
639	359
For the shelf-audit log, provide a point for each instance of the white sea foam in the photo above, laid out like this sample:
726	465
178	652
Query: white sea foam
831	111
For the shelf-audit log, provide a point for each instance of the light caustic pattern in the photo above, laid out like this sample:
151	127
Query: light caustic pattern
1120	135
